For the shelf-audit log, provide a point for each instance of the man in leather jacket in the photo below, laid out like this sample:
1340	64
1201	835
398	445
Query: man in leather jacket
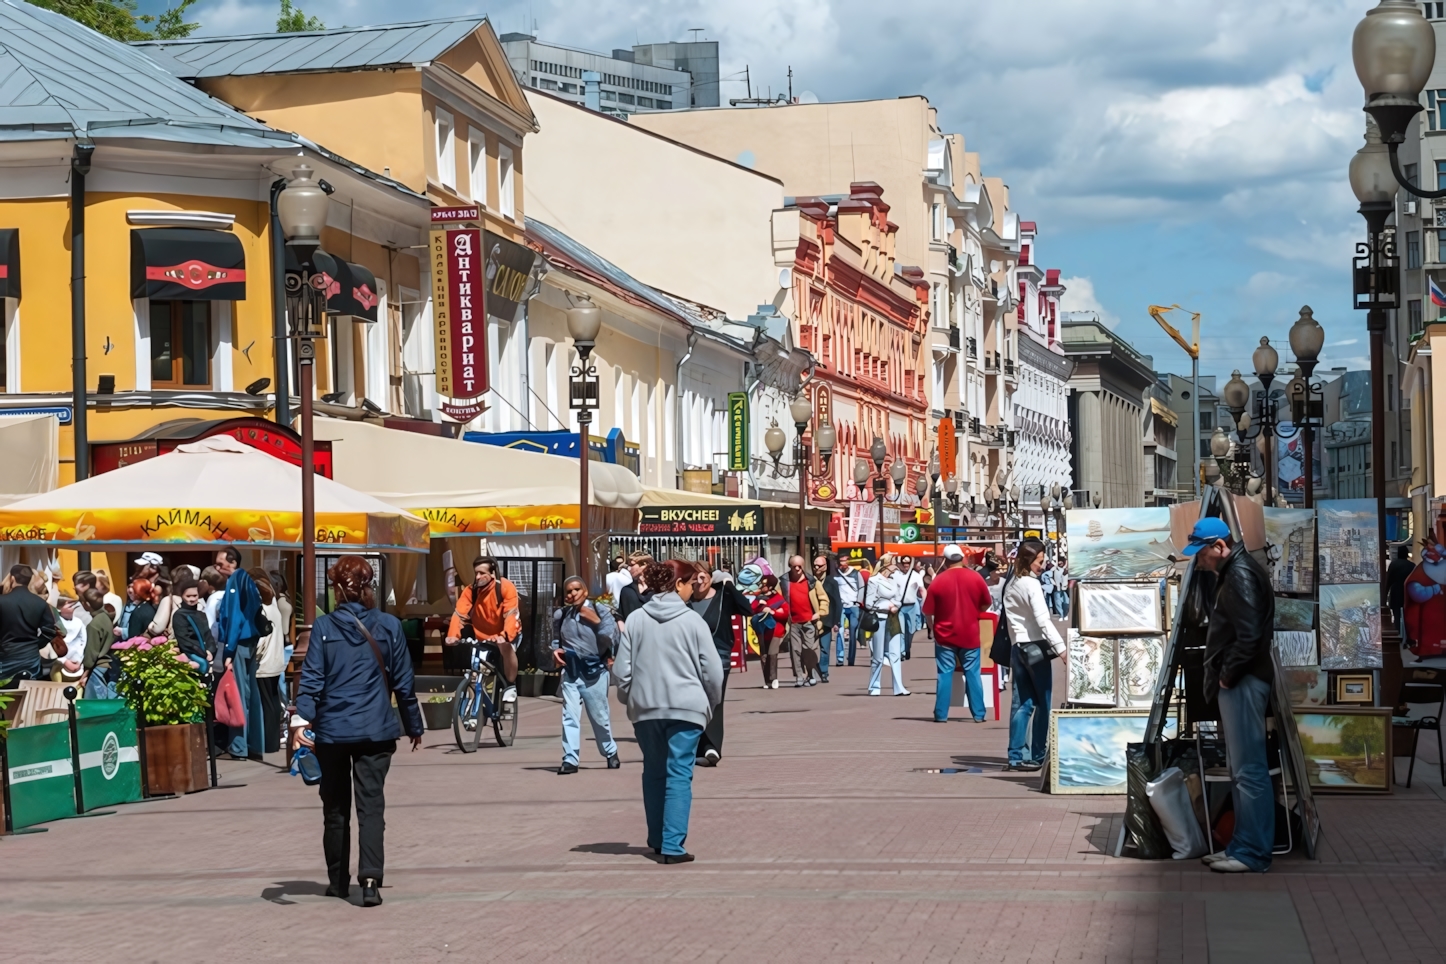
1238	675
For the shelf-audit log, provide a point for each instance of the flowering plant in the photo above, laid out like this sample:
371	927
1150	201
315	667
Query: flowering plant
160	684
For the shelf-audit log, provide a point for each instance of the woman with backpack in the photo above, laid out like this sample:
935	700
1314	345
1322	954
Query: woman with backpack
880	619
1036	643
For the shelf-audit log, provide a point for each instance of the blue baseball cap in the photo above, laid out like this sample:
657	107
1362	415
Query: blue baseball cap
1206	532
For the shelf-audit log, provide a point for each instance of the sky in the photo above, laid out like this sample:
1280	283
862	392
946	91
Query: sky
1170	152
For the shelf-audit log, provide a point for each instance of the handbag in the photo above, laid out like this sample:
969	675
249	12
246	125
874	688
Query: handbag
868	619
229	709
999	650
1033	653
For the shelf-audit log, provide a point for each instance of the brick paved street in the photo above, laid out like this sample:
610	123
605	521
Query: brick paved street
820	838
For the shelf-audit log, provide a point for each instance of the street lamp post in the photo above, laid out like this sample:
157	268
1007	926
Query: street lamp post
584	321
775	439
1307	338
878	452
301	209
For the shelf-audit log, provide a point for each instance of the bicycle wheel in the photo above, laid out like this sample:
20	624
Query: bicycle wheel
466	703
504	720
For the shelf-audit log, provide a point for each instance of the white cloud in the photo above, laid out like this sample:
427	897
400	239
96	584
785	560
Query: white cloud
1079	295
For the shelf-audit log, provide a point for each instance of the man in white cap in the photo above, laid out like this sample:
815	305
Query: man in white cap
957	598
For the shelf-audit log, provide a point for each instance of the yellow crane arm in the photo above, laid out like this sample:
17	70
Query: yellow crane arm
1157	312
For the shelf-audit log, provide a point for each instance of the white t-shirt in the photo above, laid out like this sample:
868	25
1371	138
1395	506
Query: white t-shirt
115	602
913	583
617	580
212	605
74	636
850	586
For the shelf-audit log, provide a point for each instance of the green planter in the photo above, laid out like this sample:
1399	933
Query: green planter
437	716
529	684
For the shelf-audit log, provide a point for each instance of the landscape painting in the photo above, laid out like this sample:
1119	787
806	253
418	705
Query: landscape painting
1346	749
1119	543
1123	608
1091	669
1139	659
1307	685
1290	536
1088	748
1350	627
1294	615
1296	648
1348	542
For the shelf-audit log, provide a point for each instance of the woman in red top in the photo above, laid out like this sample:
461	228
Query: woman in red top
768	599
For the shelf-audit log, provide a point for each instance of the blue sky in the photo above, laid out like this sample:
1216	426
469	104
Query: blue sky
1169	151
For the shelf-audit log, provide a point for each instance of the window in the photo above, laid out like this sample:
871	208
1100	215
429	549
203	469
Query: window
180	344
569	88
1412	172
937	222
1436	110
626	99
1413	249
10	347
645	101
506	193
1207	421
1435	10
609	95
1205	452
477	165
1413	312
665	105
446	149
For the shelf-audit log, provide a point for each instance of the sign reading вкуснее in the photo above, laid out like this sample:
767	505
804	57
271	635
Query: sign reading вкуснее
701	520
459	312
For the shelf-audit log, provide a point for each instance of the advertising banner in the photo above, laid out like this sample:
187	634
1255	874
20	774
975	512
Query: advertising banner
509	265
202	526
459	313
501	520
110	763
41	774
701	520
737	432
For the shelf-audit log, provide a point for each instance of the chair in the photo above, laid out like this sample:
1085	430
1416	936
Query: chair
1420	685
45	702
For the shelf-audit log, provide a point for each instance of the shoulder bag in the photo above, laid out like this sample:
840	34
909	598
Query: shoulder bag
868	619
376	651
999	649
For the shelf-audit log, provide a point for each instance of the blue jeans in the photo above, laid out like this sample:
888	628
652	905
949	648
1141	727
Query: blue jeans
577	691
669	749
1030	697
885	649
911	620
1242	717
248	740
98	688
848	623
947	658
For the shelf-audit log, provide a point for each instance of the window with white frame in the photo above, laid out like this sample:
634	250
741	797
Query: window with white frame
477	165
937	226
506	195
446	149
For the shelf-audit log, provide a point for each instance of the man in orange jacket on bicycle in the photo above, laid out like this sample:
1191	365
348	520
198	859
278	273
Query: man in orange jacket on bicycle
491	603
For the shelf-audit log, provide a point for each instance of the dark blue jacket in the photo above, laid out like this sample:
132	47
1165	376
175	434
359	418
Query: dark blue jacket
342	692
238	613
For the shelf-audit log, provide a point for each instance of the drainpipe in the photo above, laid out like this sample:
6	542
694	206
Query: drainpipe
79	168
678	401
280	343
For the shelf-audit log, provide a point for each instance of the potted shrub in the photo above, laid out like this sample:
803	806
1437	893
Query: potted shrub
529	682
437	711
169	701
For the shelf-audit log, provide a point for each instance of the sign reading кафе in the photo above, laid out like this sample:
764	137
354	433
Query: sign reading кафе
701	520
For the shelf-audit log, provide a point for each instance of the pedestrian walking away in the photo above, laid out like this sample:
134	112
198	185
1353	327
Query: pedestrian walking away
911	600
1035	644
583	637
668	674
850	591
825	570
719	601
1238	674
356	663
956	601
881	600
1396	575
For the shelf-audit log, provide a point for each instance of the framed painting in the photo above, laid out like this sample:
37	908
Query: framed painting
1120	608
1290	542
1350	627
1296	648
1347	749
1091	669
1306	685
1355	688
1349	544
1139	659
1119	543
1087	748
1294	615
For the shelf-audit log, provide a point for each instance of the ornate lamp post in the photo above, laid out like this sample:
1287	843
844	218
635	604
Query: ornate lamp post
584	321
301	208
877	453
775	439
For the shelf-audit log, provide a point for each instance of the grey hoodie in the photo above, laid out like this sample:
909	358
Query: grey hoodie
667	667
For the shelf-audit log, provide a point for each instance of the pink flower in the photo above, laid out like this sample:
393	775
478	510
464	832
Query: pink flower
159	641
181	659
122	644
144	646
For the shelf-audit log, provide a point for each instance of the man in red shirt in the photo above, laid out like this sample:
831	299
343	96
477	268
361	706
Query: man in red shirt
956	599
803	609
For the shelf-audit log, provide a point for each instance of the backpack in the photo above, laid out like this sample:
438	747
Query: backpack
1000	649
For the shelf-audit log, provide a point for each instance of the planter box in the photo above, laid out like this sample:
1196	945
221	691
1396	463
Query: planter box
437	716
529	684
551	683
176	759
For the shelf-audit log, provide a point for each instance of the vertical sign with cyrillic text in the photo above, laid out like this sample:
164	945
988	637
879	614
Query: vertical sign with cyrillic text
467	300
737	432
441	311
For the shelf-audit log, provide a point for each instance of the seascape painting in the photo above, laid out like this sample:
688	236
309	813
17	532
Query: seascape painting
1119	543
1091	669
1346	749
1139	659
1123	608
1296	648
1088	748
1307	685
1294	615
1348	542
1350	627
1290	537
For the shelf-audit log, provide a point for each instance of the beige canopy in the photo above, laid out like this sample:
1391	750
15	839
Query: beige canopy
31	462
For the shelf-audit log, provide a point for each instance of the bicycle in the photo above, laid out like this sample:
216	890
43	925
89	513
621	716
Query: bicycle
478	700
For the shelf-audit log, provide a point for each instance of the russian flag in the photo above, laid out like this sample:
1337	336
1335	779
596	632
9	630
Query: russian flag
1438	297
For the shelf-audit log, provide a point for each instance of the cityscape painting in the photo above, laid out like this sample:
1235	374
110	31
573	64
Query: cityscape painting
1348	542
1290	536
1350	627
1119	543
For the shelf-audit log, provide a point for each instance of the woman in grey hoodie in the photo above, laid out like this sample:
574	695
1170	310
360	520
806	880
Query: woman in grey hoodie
669	675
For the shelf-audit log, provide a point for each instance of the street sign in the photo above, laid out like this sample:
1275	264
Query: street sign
948	449
738	431
459	312
700	520
452	215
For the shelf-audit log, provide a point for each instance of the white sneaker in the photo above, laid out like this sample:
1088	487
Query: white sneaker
711	755
799	681
1214	858
1229	866
775	685
875	693
509	695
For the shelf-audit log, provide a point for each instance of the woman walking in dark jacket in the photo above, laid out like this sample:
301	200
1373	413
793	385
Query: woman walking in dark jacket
356	661
717	600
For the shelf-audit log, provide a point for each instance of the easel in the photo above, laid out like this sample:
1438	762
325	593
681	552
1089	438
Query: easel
1214	502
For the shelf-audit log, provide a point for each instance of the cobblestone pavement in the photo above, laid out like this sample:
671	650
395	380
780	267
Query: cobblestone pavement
821	837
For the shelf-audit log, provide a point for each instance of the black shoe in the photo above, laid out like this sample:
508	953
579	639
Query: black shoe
339	890
371	892
1026	767
613	762
567	768
678	858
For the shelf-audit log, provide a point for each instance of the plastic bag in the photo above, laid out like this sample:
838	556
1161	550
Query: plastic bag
1144	828
1170	799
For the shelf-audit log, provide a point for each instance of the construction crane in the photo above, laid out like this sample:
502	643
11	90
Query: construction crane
1192	348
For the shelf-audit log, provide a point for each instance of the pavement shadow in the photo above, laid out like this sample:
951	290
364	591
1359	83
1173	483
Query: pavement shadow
613	848
293	888
979	761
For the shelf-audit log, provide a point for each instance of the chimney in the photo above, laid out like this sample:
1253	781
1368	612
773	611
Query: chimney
592	97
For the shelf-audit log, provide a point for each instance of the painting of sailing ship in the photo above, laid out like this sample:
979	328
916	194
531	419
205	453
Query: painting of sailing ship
1290	540
1119	543
1087	748
1350	627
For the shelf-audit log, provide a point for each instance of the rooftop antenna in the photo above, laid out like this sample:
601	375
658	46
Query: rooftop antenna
695	31
790	83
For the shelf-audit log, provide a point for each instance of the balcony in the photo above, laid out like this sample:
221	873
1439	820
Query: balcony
994	436
1009	367
961	420
974	427
954	338
991	362
973	348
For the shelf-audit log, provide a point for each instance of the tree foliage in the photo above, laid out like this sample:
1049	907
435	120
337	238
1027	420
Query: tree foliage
293	20
118	19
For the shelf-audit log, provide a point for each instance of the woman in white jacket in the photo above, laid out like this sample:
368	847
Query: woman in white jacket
270	663
883	596
1030	627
